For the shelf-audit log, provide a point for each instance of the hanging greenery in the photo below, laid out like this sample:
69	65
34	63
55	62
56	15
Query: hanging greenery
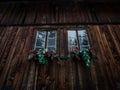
44	56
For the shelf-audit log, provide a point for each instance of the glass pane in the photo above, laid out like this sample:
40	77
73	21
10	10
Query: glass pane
52	34
72	40
39	48
51	40
51	48
83	38
40	39
41	35
40	43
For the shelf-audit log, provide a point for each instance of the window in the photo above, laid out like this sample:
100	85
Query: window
77	38
72	40
51	40
45	39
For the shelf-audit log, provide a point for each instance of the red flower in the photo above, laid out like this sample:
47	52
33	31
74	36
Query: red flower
90	49
77	49
35	51
47	53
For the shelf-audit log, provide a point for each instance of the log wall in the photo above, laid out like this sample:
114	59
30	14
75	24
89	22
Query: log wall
18	74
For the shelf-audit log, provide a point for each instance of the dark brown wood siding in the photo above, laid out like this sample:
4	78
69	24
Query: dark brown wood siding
24	14
16	73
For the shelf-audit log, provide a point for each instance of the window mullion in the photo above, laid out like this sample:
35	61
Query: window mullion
77	39
36	40
46	40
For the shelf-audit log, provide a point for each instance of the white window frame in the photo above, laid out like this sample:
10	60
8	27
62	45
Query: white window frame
78	40
46	39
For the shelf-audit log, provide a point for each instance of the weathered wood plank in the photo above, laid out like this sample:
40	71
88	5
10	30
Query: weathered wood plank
47	14
9	59
16	73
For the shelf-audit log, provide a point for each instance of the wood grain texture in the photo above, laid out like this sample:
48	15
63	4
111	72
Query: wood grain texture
50	14
16	73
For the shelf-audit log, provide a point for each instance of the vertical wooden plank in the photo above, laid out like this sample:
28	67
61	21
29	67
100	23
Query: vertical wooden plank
61	42
61	80
105	74
30	16
14	63
5	49
7	15
95	68
10	56
27	76
52	79
20	65
39	16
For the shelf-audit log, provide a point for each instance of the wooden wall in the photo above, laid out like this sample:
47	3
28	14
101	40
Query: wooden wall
18	74
23	14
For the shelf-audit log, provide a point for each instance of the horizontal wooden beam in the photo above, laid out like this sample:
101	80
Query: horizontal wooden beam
63	24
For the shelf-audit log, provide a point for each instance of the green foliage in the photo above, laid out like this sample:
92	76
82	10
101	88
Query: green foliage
43	56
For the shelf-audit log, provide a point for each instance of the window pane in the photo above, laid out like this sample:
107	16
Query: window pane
51	48
72	40
39	48
51	40
40	43
41	35
83	38
52	34
40	40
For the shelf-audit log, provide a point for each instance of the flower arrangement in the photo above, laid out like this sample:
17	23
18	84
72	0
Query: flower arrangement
45	56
